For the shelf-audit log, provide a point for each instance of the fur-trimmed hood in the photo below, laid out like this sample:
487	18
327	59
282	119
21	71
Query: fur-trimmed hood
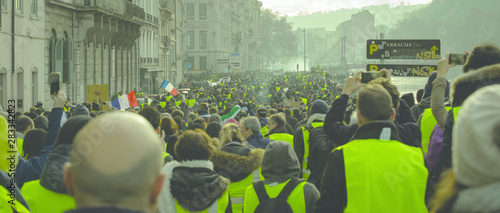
236	162
464	85
187	182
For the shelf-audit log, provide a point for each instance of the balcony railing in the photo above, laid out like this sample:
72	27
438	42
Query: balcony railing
167	5
134	10
121	7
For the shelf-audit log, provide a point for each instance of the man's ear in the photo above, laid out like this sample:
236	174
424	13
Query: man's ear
158	185
361	122
393	116
67	178
158	130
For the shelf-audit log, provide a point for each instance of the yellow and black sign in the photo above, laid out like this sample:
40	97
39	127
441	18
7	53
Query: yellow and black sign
404	70
403	49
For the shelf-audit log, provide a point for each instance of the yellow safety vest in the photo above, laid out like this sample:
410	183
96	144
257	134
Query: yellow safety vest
384	176
41	199
305	134
264	130
455	112
20	147
177	103
163	104
427	124
282	137
296	199
7	204
219	206
237	190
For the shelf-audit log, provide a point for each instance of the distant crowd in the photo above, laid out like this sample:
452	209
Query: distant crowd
297	142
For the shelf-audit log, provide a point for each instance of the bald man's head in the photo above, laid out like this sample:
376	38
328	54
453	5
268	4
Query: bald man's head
116	159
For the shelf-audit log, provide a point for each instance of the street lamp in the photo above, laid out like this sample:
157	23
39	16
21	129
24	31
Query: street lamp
304	48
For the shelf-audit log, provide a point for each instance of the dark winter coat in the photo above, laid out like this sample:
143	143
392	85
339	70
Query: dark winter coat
257	140
28	170
334	127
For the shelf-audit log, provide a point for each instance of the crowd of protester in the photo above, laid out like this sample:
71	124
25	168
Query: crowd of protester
296	142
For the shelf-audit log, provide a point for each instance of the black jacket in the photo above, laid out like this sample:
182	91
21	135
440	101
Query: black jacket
333	184
409	131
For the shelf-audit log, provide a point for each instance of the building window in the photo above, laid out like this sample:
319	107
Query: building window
190	60
4	5
19	6
34	8
190	39
203	11
190	11
203	39
203	63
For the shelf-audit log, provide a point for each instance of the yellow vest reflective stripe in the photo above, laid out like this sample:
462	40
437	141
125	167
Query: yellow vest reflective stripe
296	198
41	199
237	190
427	124
305	134
455	112
219	206
8	204
264	130
20	147
396	181
282	137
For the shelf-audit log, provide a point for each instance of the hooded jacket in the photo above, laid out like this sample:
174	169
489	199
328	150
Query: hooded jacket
187	182
462	87
478	199
235	161
52	173
281	164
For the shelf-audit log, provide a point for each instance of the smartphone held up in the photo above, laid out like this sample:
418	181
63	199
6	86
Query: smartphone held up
457	59
368	76
55	83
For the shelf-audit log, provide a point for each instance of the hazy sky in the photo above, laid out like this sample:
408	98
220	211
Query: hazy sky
294	7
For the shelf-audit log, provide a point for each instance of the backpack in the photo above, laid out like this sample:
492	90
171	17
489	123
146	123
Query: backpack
320	145
278	204
435	145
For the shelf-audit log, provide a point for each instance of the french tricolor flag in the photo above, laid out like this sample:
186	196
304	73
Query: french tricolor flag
169	87
125	101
